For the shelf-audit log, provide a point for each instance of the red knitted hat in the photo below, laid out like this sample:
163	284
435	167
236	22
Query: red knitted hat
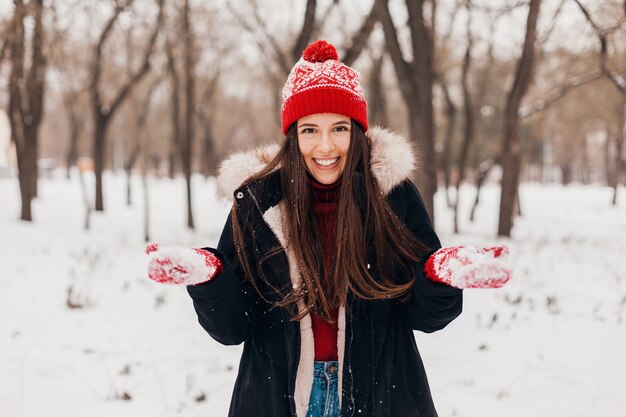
320	83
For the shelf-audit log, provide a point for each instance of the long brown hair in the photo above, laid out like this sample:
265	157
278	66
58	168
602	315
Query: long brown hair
365	221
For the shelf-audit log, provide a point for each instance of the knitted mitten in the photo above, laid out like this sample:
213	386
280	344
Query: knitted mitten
179	265
469	266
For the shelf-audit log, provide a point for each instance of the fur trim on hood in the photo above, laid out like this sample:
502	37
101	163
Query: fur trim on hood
393	159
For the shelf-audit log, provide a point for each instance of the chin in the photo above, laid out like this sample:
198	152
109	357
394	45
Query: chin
327	179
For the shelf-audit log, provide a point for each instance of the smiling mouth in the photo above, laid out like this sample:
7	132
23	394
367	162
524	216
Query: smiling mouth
326	163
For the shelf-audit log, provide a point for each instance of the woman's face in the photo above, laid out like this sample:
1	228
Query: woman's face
324	139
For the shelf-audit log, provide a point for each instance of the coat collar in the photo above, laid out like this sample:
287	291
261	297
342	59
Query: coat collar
393	159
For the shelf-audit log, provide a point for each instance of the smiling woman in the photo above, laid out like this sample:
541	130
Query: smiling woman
324	141
321	270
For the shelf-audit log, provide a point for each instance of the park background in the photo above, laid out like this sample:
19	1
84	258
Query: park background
114	115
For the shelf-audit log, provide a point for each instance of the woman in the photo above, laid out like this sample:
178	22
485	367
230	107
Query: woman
328	261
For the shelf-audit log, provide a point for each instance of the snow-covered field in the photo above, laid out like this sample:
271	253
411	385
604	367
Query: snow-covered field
552	343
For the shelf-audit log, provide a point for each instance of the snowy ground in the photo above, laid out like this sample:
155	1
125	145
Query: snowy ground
551	343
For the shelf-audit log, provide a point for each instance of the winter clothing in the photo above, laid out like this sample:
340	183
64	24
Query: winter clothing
324	399
319	83
179	265
324	200
380	372
469	266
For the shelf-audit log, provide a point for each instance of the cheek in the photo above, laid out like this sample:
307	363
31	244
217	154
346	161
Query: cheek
305	149
344	147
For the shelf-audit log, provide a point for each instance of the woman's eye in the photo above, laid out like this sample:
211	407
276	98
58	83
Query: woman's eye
342	129
307	130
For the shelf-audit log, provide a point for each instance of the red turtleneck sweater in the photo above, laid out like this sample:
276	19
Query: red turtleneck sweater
324	200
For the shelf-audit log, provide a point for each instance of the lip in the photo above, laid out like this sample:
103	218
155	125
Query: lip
329	167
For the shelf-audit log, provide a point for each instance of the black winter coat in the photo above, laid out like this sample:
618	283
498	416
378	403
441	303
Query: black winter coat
380	369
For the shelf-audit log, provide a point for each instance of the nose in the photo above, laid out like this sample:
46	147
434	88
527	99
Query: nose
326	142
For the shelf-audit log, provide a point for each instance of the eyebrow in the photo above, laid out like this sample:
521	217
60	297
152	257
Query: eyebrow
343	122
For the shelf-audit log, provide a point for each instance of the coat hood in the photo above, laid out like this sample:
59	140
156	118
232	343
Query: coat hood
393	159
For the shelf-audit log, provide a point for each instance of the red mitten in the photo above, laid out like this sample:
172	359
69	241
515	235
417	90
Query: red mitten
469	266
179	265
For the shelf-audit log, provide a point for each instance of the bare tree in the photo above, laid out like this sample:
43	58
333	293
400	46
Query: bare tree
284	58
377	103
102	112
449	107
511	150
451	112
174	145
26	97
619	82
480	176
76	120
189	84
5	44
206	115
415	79
468	115
181	72
482	168
140	121
571	85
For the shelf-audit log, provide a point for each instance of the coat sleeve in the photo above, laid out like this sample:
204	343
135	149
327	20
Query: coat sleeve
430	305
226	305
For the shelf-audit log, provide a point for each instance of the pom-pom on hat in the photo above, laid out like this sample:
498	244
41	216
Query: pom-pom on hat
320	83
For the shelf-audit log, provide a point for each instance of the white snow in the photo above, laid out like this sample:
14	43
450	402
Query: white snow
550	343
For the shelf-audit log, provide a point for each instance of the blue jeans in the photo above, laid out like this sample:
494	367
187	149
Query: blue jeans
324	400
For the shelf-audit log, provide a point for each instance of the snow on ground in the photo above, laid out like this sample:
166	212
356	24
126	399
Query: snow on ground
551	343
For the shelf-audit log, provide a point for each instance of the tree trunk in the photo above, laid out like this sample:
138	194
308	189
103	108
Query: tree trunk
25	173
208	161
26	97
449	138
378	100
469	127
511	150
586	164
566	173
483	170
128	168
619	147
415	79
175	138
102	113
32	134
189	77
607	154
146	208
72	153
101	124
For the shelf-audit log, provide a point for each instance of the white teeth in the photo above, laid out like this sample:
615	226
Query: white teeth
326	162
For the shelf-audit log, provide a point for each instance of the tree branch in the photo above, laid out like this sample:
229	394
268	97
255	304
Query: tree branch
36	76
523	73
360	37
307	30
96	70
453	15
541	105
616	79
546	36
3	49
393	46
147	101
417	26
279	55
145	66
